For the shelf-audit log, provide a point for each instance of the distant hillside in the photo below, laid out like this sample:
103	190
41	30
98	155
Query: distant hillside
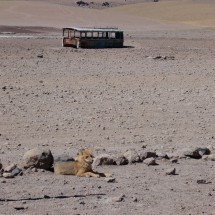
187	12
140	16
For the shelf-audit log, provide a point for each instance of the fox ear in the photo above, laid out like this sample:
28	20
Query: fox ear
80	152
90	150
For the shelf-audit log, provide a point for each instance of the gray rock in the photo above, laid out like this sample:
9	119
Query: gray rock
203	151
174	160
162	57
38	158
10	168
16	171
203	181
132	156
117	198
104	159
121	160
110	180
40	55
8	175
191	153
161	155
63	158
149	161
1	166
135	199
20	207
147	154
34	170
197	153
171	171
174	155
106	4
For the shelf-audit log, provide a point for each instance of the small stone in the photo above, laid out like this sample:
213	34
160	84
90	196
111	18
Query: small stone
10	168
134	199
8	175
203	181
149	161
203	151
16	171
82	203
34	170
117	198
174	160
40	55
20	207
143	146
105	4
1	164
171	171
110	180
161	155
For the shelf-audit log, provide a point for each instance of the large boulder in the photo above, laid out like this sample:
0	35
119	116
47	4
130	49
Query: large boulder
63	158
38	158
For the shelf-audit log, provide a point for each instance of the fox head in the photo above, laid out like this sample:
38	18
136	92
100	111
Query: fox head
85	156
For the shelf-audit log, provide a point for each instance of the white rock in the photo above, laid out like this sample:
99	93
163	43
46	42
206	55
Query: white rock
149	161
8	175
10	168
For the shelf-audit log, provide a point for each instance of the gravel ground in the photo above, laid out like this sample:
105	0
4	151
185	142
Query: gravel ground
158	91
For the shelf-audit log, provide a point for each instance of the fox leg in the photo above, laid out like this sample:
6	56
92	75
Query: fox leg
88	174
103	174
108	174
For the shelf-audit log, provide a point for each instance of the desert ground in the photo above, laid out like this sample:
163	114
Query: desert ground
156	93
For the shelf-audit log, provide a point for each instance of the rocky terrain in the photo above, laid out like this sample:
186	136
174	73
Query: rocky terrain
147	109
156	94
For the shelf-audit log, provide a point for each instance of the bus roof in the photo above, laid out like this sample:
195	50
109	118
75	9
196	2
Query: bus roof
86	29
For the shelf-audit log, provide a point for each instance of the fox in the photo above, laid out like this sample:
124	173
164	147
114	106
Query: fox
82	166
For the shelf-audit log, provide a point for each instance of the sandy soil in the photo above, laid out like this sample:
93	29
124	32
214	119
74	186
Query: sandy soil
112	100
